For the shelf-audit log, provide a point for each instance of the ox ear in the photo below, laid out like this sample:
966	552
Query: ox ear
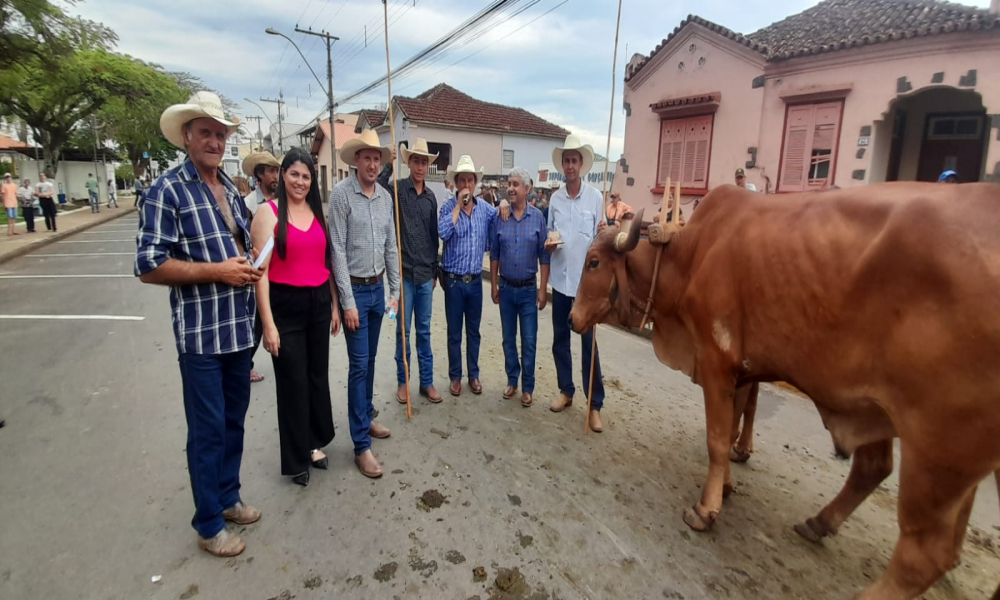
626	242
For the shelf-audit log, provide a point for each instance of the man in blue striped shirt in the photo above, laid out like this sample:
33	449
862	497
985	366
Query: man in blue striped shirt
194	236
517	248
464	224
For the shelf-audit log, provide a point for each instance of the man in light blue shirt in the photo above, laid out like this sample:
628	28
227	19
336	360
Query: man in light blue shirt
576	213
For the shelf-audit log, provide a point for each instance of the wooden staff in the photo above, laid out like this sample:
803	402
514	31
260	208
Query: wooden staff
604	204
401	313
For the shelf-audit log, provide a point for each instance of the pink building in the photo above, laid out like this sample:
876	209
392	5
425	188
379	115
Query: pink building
846	93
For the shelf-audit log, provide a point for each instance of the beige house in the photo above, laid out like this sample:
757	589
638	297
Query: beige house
317	140
846	93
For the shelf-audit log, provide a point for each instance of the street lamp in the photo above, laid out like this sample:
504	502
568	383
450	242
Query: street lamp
329	39
261	110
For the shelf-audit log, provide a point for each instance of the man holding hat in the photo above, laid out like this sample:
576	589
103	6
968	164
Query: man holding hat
576	213
364	250
194	236
464	224
418	229
265	168
741	180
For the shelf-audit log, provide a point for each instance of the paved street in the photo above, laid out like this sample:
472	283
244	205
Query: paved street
96	498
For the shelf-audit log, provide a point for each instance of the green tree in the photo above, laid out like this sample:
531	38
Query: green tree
41	30
125	173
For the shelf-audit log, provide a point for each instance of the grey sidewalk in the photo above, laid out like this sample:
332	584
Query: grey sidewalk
68	223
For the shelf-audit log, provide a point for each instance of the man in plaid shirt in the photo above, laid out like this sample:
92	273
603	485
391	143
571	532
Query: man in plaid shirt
194	237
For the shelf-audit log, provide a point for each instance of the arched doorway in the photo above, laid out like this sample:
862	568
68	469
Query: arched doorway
932	130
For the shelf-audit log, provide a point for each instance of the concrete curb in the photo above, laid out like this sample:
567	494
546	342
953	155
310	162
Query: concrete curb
41	243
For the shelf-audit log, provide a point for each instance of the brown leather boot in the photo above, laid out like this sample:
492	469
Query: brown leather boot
561	403
224	544
378	431
368	464
595	421
241	514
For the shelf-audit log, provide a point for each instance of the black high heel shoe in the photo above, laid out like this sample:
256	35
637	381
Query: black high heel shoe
301	479
322	463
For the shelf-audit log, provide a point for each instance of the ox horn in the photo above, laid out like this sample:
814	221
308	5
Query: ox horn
626	242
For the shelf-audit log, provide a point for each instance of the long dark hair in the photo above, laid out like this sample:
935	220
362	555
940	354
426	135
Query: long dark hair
313	199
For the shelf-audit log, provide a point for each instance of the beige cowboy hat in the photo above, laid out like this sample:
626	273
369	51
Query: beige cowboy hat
367	140
465	165
573	143
200	105
259	158
420	149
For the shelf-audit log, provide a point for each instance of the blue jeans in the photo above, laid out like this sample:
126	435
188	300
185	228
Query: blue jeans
519	305
562	352
216	397
417	310
95	202
463	302
362	346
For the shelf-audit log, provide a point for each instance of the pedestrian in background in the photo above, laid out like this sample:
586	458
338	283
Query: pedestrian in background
44	191
112	193
464	224
194	236
92	191
364	250
517	254
138	191
26	198
9	192
298	306
418	230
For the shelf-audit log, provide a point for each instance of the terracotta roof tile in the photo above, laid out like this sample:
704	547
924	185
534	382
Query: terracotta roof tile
374	118
839	24
444	105
7	143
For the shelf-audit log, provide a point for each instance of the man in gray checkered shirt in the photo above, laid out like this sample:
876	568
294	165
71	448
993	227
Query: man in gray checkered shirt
364	250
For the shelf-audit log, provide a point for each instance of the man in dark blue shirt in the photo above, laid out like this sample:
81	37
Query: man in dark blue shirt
517	253
418	230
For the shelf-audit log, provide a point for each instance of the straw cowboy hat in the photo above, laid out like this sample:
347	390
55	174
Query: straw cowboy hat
367	140
201	104
573	143
420	149
465	165
255	159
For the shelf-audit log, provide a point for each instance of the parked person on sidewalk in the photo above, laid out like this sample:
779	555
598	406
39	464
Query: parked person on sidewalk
297	303
419	233
194	236
265	168
26	198
8	190
464	224
112	193
517	253
44	191
617	210
95	196
137	185
364	249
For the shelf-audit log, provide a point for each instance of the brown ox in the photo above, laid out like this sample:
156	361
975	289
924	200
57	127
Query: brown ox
881	303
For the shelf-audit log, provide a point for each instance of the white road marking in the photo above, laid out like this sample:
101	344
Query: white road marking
109	276
82	254
96	241
73	317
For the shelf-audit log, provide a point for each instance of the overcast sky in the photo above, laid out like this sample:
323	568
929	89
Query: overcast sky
556	65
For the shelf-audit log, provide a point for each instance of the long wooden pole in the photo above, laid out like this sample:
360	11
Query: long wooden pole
401	313
604	205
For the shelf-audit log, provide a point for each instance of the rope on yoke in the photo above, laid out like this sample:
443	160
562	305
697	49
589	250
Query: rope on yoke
400	312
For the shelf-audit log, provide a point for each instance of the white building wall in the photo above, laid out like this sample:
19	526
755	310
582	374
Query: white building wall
529	152
71	178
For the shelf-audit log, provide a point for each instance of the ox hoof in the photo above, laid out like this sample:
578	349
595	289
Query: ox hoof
727	490
738	456
812	531
696	521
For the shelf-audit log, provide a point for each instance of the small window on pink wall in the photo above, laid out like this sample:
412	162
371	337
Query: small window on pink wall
685	147
810	149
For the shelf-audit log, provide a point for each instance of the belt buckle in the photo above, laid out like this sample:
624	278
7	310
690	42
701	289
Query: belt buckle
467	278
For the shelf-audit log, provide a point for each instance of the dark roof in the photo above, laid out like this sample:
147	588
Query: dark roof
840	24
444	105
374	118
688	101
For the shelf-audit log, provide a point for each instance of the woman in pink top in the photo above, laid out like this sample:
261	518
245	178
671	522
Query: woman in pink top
297	302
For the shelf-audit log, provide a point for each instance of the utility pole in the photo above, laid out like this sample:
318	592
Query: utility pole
280	102
329	39
260	136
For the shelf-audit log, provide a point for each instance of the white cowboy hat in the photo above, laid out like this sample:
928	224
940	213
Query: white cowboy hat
420	149
201	104
367	139
259	158
465	165
573	143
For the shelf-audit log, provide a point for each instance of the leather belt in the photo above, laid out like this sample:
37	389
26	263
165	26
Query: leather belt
367	280
530	282
463	278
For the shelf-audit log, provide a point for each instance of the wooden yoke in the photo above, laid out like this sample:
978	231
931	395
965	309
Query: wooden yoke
660	234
